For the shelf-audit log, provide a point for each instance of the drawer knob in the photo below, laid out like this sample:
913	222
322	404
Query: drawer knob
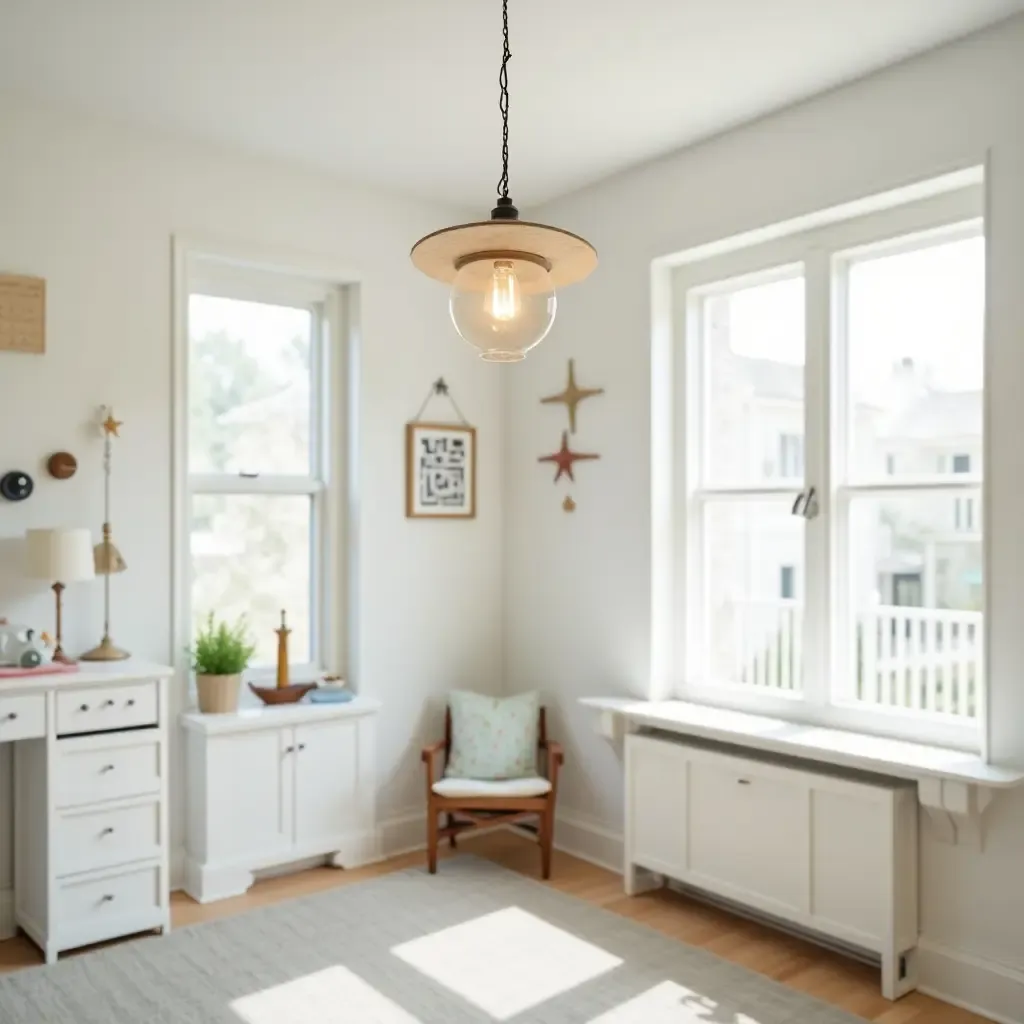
743	782
108	703
106	768
12	715
108	831
107	898
130	703
289	750
302	746
84	707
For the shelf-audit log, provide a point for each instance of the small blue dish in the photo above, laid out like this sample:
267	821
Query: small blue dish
322	695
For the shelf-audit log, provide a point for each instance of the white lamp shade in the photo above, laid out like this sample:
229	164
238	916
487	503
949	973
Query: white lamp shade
60	556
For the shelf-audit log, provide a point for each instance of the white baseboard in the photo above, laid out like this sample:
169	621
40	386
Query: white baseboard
7	926
981	986
403	833
588	840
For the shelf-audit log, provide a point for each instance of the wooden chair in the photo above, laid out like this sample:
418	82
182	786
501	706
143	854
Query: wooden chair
483	809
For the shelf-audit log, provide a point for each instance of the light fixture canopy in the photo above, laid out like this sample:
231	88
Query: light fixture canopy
504	272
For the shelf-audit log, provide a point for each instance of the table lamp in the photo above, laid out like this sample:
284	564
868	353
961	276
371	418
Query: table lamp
60	556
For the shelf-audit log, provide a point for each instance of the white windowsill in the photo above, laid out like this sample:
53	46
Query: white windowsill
815	743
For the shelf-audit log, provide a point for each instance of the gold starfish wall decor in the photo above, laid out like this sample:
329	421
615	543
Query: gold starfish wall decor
572	396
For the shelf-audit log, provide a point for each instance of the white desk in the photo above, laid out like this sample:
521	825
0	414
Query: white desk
90	802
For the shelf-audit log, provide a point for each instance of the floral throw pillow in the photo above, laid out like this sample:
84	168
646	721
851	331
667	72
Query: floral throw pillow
493	737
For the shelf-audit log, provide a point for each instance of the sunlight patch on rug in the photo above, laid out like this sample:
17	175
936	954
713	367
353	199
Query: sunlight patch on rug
669	1003
332	996
507	961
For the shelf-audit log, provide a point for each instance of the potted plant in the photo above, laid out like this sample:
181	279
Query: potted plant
219	656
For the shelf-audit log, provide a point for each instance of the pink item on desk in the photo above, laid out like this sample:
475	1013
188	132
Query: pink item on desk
14	672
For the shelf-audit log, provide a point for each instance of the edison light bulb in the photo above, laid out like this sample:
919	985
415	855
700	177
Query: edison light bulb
503	304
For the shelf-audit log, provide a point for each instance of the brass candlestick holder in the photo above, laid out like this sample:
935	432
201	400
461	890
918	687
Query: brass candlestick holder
282	652
283	692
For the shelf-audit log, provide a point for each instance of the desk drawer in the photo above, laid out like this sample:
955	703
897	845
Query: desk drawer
92	769
106	708
22	717
100	839
98	909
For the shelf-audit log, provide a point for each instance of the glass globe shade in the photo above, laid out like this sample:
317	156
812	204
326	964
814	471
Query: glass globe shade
502	304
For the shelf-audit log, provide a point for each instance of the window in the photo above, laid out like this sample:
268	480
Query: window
787	591
791	456
829	579
258	459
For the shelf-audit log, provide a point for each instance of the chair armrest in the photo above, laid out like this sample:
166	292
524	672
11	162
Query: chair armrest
429	758
556	758
429	753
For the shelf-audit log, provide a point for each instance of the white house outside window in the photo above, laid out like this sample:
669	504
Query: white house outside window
837	375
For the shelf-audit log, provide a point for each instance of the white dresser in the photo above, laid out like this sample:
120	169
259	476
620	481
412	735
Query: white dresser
90	802
270	786
829	849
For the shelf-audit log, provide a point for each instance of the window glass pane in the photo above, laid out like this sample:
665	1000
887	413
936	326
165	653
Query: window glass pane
251	556
916	599
754	357
249	387
754	593
915	342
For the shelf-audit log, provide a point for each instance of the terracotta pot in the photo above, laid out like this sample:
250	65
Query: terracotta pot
218	694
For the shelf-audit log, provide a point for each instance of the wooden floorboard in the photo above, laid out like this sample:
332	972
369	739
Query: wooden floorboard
800	965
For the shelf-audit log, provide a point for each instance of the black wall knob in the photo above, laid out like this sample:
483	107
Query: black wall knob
16	485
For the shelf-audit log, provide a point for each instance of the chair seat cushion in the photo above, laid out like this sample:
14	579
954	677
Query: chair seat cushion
460	788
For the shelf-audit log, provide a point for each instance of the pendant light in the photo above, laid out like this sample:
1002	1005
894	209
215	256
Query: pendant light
504	272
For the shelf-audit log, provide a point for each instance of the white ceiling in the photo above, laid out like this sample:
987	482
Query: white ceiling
403	93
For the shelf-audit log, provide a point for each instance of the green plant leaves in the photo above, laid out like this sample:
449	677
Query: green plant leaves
221	649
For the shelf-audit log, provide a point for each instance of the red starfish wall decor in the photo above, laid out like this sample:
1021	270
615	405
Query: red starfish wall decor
565	457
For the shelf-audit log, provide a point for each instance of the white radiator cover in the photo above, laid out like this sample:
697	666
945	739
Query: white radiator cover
830	850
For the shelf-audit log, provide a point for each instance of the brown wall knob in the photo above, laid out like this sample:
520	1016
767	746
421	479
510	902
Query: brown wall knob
62	465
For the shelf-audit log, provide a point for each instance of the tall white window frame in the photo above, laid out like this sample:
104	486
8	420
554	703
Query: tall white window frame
201	271
822	256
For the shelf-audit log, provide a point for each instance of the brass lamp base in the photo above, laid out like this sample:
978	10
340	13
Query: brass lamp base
106	651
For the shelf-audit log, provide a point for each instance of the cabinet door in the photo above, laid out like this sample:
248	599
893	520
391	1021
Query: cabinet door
656	804
749	832
325	783
249	790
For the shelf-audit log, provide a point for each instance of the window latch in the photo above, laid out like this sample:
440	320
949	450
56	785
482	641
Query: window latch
806	504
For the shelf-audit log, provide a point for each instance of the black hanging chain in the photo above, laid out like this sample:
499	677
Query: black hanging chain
503	105
440	389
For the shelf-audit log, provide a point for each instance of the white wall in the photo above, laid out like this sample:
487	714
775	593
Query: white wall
92	208
578	587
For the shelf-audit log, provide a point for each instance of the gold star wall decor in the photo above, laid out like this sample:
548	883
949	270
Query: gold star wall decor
110	425
572	396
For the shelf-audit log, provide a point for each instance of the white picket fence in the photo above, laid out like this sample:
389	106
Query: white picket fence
925	659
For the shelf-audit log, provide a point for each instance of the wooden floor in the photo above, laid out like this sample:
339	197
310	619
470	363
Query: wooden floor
800	965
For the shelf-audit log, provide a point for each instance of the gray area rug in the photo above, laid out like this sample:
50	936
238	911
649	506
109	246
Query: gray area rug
475	943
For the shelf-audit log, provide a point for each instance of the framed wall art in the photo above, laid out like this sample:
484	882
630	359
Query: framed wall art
440	471
22	314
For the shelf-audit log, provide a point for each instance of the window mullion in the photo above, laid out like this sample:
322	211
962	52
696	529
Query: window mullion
818	446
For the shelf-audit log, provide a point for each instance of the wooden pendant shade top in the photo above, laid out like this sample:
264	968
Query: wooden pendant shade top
571	258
